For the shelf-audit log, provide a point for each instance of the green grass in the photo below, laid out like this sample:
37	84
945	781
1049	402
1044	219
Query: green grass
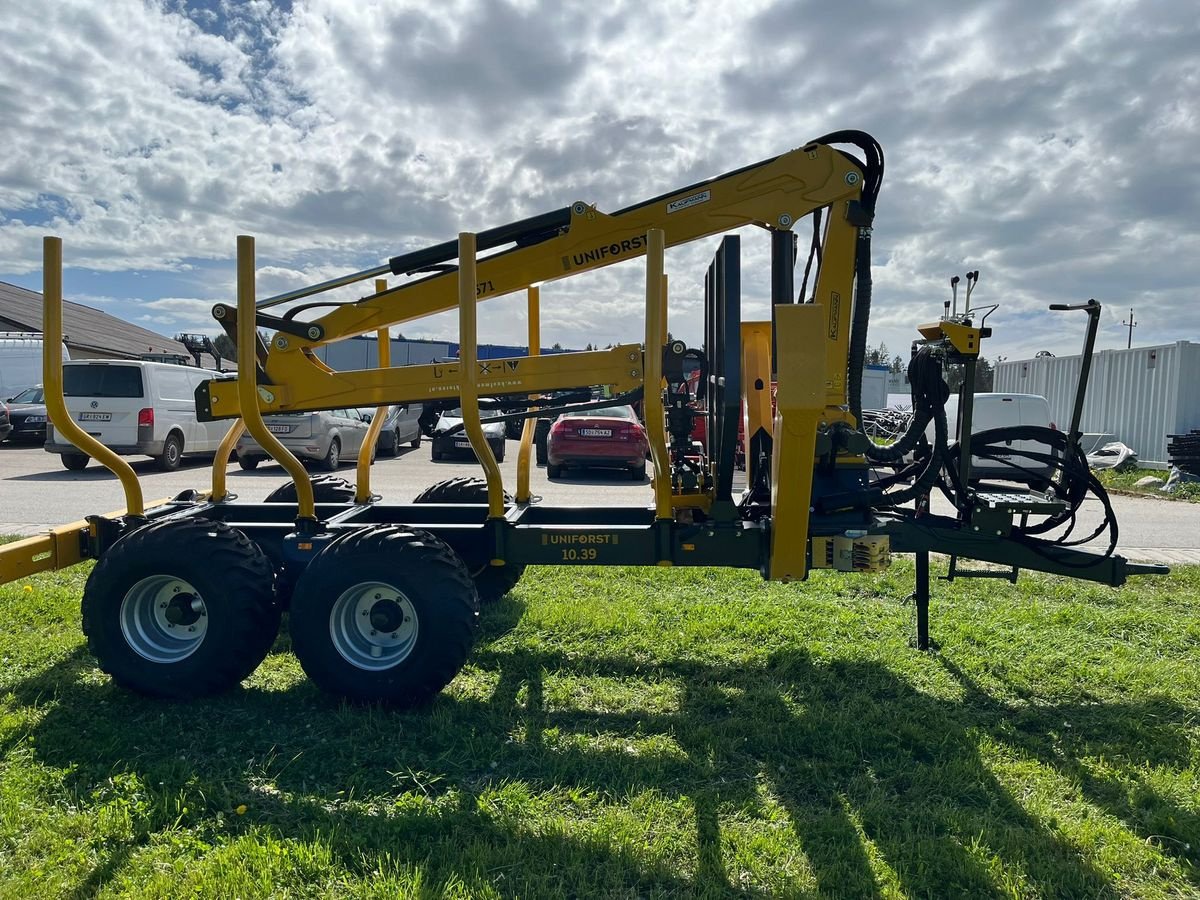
637	733
1124	483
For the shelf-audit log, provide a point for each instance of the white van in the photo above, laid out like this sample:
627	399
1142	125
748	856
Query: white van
1003	411
136	408
20	362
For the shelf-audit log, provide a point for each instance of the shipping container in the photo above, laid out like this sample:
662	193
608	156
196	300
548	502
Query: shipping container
1139	396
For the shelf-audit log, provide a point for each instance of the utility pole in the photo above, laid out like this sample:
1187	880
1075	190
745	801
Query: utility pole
1131	324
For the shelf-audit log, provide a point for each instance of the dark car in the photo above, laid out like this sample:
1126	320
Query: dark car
5	425
400	427
27	416
611	437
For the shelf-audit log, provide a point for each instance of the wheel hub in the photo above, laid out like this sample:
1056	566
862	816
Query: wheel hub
373	625
163	619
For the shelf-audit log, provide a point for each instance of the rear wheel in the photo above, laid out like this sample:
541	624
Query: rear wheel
394	450
248	463
326	489
498	450
491	582
181	609
638	474
414	443
76	462
172	455
333	458
384	613
553	471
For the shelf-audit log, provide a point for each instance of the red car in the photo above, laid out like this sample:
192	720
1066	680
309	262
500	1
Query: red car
603	438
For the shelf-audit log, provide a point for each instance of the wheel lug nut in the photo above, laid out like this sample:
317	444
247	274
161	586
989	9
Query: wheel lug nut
162	606
373	632
191	628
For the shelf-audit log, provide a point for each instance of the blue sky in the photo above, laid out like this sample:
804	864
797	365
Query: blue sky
1050	145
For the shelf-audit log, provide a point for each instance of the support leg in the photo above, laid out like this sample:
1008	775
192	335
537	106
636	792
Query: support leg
921	600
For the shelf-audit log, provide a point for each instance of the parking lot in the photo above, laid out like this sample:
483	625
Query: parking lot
39	493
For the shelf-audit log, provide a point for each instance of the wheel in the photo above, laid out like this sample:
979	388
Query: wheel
326	489
414	443
182	608
553	471
395	449
384	613
76	462
333	458
434	453
541	434
172	453
491	582
638	474
248	463
498	451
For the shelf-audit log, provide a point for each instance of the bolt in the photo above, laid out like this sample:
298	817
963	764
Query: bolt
377	596
395	634
633	373
364	612
406	618
175	590
373	632
633	357
281	342
851	178
314	333
785	220
191	628
170	625
162	606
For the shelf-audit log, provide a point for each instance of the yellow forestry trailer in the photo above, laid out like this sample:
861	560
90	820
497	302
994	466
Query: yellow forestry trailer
186	595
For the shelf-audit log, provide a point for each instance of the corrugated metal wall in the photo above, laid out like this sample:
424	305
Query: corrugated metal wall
1139	395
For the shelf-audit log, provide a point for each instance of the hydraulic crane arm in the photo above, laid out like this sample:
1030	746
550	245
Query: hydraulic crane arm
773	194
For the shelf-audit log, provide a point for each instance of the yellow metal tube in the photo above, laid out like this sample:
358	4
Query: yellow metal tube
52	380
362	490
652	403
468	357
525	451
247	387
221	460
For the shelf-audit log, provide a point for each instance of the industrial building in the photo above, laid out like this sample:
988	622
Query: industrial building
1138	396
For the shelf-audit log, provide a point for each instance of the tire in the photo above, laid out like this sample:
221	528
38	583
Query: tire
326	489
434	454
248	463
135	599
172	455
638	474
395	448
541	434
414	443
76	462
498	451
339	621
491	582
333	458
553	471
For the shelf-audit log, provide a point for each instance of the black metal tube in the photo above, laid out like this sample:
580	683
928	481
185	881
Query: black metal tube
921	600
527	231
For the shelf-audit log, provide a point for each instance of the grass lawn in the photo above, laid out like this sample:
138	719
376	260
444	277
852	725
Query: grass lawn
1124	482
628	732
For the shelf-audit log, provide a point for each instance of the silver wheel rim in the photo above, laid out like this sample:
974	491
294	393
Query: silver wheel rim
373	626
172	452
163	619
334	458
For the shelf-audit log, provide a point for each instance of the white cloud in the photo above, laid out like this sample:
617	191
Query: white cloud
1049	145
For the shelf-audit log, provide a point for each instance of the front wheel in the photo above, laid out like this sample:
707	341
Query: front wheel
181	608
384	614
248	463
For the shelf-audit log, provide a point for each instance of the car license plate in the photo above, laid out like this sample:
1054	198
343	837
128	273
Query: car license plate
462	443
95	417
595	432
279	429
35	420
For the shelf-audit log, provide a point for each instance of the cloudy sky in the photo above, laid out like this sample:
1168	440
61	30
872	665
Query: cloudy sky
1051	145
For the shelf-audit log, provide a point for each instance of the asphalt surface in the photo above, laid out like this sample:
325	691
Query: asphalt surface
37	493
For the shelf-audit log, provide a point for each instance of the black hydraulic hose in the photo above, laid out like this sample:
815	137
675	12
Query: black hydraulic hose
858	328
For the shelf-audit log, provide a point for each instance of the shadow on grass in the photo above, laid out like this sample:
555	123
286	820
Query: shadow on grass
862	763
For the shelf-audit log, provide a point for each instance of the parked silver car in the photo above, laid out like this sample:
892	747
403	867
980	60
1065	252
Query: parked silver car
400	427
325	437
